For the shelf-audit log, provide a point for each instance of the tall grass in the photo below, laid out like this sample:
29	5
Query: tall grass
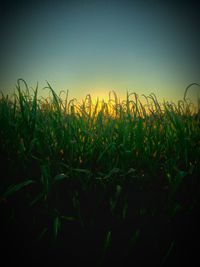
98	163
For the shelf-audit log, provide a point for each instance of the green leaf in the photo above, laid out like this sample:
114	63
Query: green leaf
44	231
35	200
56	226
135	237
168	252
60	176
124	211
68	218
15	188
177	182
85	171
107	243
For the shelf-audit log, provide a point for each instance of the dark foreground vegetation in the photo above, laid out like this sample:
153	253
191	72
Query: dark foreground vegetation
98	183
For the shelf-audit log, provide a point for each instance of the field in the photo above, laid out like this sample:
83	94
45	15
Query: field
98	183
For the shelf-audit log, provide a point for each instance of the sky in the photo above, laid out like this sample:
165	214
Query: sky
98	46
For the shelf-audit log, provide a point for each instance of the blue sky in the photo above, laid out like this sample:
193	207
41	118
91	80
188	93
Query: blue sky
98	46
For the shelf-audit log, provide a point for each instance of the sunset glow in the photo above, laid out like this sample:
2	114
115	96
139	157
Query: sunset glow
93	47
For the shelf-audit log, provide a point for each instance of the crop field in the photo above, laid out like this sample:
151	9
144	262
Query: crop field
98	183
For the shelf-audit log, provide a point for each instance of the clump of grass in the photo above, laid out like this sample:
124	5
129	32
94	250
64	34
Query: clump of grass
97	166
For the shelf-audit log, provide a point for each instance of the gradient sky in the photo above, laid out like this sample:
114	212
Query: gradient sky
98	46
